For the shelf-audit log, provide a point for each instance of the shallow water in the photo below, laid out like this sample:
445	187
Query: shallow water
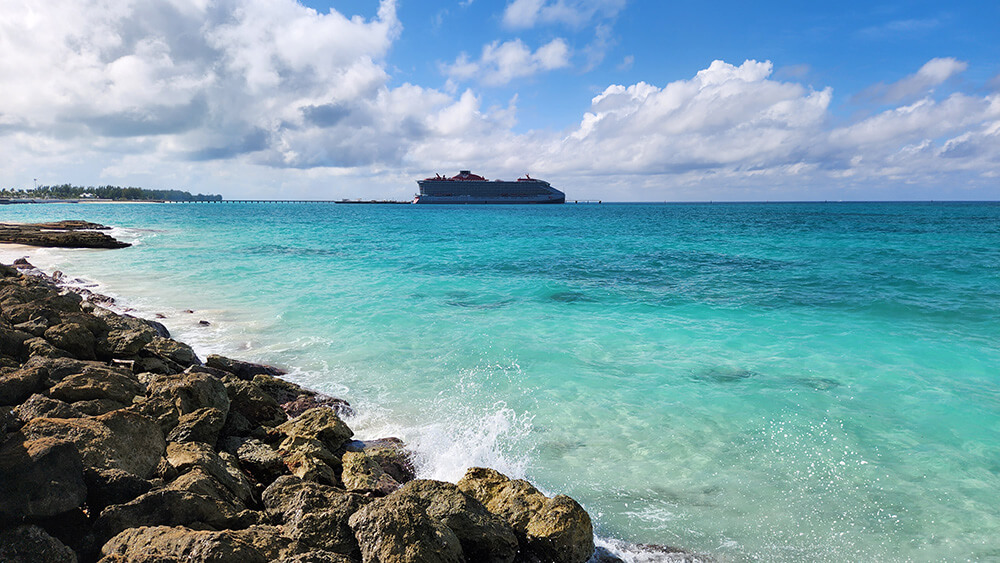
777	382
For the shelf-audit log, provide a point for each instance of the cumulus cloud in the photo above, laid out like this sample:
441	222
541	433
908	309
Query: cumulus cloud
500	63
522	14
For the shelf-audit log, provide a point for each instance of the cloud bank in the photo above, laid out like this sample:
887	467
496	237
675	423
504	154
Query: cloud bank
269	98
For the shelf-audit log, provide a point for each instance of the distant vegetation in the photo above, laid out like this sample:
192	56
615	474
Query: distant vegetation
117	193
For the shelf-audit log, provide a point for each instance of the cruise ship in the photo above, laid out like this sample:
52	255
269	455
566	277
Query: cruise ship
467	187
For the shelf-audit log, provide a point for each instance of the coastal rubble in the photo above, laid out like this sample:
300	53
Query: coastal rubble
119	444
62	234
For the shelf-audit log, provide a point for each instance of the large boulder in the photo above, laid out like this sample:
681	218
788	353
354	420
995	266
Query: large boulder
74	338
97	383
165	544
172	350
117	440
315	516
202	425
32	544
483	536
259	408
188	392
112	486
242	370
362	472
39	406
319	424
167	507
258	459
16	385
397	529
556	529
187	456
39	477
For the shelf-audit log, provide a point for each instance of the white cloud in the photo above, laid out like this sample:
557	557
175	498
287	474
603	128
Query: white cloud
933	73
575	13
502	62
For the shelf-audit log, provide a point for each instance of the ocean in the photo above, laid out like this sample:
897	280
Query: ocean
758	382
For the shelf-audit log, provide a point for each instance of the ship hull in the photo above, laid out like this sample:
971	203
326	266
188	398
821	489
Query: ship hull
487	193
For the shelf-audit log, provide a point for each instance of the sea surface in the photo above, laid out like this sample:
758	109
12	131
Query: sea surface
758	382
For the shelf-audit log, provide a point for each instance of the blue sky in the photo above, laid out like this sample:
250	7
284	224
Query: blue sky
609	99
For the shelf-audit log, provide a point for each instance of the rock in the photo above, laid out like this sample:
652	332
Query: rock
126	342
315	515
321	424
163	544
308	402
202	425
32	544
362	472
242	370
261	461
187	456
556	529
96	407
198	481
39	406
172	350
604	555
188	392
317	556
390	454
280	390
313	463
12	340
255	405
34	327
18	385
97	383
9	422
268	540
41	348
116	440
39	477
165	507
112	486
73	338
399	530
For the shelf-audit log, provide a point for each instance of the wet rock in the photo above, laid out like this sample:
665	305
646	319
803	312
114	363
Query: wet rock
32	544
390	454
162	544
308	402
362	472
97	383
556	529
73	338
106	487
39	477
172	350
242	370
315	515
202	425
117	440
39	406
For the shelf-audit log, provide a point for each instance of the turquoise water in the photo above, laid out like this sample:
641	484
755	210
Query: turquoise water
772	382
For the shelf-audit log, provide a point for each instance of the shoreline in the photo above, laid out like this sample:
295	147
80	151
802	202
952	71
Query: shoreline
604	553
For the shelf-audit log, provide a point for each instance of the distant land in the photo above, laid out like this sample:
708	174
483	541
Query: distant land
114	193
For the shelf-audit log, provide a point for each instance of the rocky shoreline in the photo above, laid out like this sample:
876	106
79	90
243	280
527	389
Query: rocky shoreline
121	444
62	234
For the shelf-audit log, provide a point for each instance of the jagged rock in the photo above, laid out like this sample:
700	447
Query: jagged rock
97	383
399	530
42	348
34	327
125	342
202	425
32	544
317	556
556	529
73	338
95	407
308	402
362	472
268	540
166	507
314	515
18	385
39	406
185	456
321	424
260	460
117	440
313	463
280	390
255	405
172	350
189	392
164	544
12	340
39	477
112	486
390	454
242	370
198	481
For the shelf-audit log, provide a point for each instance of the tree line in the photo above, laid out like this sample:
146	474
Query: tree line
117	193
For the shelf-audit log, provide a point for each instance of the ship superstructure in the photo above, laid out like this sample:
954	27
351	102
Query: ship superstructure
467	187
